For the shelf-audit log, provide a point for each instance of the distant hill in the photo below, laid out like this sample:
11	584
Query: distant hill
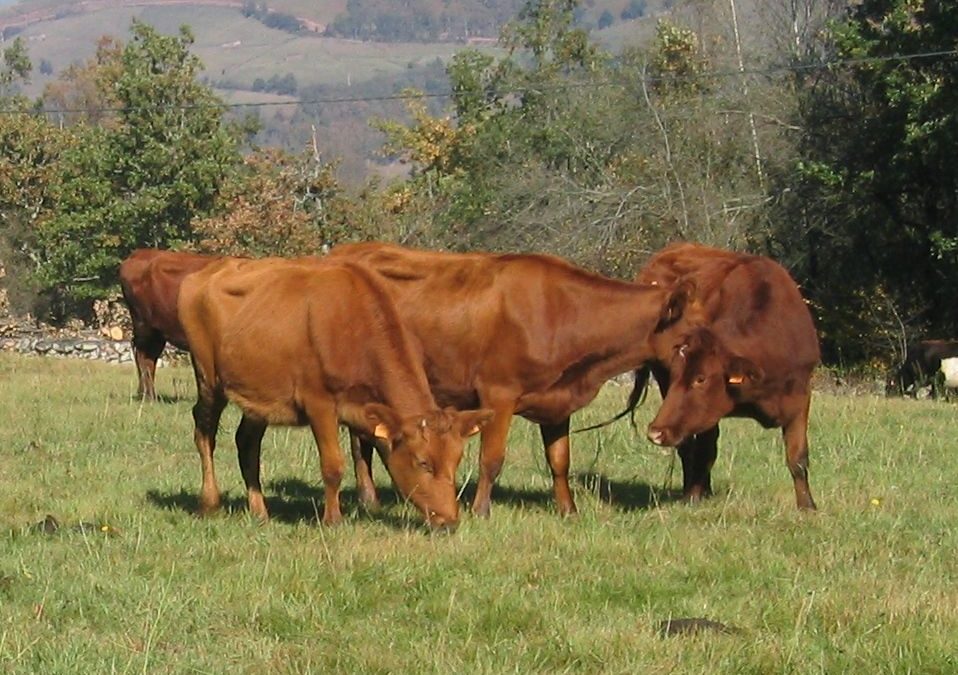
253	55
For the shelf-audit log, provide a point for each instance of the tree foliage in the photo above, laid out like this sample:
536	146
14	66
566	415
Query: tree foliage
277	204
876	206
142	178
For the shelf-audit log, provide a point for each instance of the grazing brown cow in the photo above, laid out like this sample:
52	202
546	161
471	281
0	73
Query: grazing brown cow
745	348
528	335
150	279
313	343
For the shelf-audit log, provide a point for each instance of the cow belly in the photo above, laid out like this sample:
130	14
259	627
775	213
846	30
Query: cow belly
553	406
264	391
950	369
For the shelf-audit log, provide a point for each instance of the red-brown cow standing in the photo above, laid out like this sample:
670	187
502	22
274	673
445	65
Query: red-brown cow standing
528	335
313	343
150	279
746	348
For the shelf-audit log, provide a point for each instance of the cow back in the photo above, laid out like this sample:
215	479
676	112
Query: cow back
267	330
150	280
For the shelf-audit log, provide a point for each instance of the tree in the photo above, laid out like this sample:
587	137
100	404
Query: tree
879	182
30	163
143	179
277	204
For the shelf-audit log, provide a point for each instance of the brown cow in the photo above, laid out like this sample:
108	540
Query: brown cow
312	343
746	348
150	279
528	335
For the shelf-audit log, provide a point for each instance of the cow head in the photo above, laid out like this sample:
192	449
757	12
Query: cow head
706	381
422	453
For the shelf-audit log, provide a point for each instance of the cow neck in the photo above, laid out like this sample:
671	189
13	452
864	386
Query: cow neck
402	381
615	325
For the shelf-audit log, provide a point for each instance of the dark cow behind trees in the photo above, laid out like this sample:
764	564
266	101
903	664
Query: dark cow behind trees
746	347
529	335
317	343
920	367
150	280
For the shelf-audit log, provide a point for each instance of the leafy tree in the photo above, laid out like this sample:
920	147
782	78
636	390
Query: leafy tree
84	91
876	211
141	180
277	204
30	153
15	69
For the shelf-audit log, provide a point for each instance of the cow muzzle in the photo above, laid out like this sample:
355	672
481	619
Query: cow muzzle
440	525
660	436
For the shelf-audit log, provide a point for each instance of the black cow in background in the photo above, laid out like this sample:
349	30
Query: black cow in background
920	368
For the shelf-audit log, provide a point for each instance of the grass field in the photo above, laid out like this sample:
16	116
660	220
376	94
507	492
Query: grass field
132	581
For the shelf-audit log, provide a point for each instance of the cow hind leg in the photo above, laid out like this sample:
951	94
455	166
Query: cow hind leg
555	438
795	434
492	451
698	456
249	438
324	425
362	452
146	352
206	417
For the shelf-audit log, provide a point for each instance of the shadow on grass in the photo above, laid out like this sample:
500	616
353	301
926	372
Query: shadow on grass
631	496
163	399
291	501
625	496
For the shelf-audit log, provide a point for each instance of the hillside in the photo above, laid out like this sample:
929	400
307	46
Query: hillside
250	62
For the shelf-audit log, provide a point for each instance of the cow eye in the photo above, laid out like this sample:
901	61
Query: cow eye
699	381
424	465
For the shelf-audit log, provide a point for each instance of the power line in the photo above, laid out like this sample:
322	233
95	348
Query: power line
337	100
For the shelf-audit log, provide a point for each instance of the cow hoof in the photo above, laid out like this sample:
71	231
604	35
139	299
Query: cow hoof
481	510
332	520
370	503
207	510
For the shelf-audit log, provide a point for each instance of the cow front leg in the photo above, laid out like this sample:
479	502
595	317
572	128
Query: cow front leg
795	434
698	456
249	438
324	425
555	438
206	419
362	452
492	452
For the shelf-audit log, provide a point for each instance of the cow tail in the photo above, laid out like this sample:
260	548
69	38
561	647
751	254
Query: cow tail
636	397
640	389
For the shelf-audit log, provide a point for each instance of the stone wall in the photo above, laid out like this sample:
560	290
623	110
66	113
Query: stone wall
109	344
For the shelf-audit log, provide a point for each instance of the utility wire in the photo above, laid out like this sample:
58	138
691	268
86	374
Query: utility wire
336	100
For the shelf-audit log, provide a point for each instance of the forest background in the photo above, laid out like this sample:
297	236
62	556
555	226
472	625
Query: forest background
819	132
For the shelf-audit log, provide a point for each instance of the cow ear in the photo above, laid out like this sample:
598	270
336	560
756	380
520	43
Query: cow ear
681	296
743	373
372	419
472	421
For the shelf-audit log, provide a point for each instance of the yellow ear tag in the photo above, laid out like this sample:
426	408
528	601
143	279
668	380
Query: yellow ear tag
474	430
381	431
736	379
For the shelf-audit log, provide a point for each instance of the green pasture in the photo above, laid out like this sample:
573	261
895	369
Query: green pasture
128	580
